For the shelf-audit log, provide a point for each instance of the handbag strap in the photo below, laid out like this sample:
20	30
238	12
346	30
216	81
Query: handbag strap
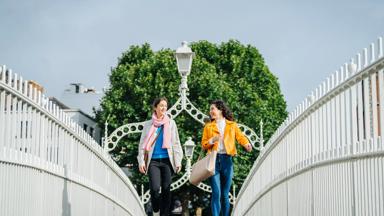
201	155
157	136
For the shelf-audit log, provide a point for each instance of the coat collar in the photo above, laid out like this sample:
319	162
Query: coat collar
226	122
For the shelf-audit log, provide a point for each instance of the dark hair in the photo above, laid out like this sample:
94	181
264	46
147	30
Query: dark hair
206	120
222	106
157	101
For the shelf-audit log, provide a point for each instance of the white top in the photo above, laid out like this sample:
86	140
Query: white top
221	127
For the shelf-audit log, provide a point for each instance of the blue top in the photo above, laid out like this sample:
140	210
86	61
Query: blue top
158	151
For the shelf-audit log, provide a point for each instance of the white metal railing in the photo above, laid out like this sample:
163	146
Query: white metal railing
327	158
49	165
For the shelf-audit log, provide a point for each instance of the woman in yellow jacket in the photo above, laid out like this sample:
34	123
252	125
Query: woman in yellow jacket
219	135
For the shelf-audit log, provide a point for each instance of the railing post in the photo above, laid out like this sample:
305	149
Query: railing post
261	135
142	194
372	48
234	194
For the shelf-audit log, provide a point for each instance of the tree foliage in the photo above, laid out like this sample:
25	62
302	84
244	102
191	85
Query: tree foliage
230	71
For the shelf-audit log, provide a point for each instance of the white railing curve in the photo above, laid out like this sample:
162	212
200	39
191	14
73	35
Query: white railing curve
327	157
49	165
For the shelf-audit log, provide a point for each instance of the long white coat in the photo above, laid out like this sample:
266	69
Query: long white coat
175	151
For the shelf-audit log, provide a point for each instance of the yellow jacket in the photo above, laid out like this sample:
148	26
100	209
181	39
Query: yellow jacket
231	132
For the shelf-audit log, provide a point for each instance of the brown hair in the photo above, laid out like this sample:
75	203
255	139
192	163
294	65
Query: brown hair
157	101
222	106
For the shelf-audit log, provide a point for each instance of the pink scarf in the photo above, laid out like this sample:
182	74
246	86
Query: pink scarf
166	132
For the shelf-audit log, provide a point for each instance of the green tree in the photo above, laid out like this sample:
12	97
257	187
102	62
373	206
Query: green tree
230	71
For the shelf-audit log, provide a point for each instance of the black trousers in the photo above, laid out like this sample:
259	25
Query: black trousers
160	175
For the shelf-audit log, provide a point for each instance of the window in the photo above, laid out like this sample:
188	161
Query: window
85	127
91	130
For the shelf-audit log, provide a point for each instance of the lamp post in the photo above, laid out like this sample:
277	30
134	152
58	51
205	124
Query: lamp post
189	147
184	57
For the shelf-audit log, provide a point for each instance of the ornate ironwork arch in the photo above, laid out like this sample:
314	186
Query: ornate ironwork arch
182	104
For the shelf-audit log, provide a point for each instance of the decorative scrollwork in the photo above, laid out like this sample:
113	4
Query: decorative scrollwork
112	140
208	189
182	180
145	197
176	109
252	136
194	112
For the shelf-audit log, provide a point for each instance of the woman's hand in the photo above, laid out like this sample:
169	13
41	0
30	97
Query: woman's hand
248	147
178	169
142	169
214	139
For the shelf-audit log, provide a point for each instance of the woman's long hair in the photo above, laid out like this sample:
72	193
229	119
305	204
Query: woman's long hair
222	106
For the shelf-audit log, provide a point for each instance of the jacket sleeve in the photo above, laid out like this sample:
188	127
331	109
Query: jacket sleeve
240	137
140	155
205	139
177	149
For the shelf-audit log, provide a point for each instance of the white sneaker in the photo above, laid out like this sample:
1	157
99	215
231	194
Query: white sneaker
156	213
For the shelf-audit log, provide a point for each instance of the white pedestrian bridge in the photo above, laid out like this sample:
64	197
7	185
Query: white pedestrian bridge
326	158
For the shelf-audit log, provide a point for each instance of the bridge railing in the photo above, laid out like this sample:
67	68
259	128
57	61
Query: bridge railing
327	158
49	165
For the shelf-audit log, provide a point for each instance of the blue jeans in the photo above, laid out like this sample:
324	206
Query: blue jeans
221	184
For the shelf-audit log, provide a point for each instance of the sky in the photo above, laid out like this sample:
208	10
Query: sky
60	42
